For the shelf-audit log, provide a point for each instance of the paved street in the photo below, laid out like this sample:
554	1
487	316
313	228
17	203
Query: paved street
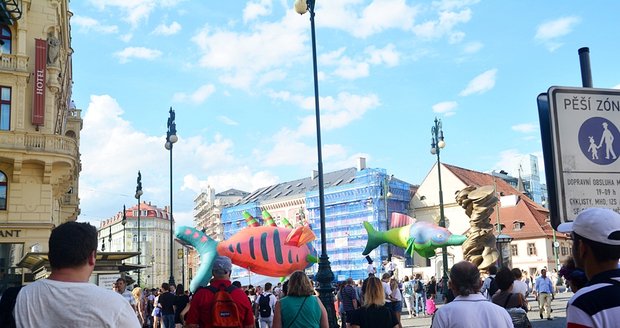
558	306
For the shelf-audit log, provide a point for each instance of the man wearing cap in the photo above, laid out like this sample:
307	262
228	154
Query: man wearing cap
199	314
596	248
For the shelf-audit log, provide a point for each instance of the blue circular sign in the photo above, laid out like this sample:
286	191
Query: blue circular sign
597	140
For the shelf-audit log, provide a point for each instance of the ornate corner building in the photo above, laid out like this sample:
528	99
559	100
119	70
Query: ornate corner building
39	130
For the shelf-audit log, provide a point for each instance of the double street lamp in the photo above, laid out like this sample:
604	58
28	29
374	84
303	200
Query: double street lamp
324	275
171	138
437	144
124	222
138	195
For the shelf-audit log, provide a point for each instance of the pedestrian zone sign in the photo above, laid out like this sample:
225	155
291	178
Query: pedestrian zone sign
585	139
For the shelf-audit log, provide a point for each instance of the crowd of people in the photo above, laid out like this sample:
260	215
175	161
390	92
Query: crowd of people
66	298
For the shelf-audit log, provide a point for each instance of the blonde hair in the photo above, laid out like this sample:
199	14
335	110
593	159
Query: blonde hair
393	285
137	293
374	294
299	285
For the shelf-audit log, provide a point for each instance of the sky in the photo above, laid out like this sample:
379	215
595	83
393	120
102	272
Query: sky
239	76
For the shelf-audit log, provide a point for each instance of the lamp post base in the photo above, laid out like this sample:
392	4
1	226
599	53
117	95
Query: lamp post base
325	277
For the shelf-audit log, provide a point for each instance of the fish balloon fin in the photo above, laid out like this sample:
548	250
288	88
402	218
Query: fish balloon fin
299	236
410	246
206	247
312	259
375	238
250	220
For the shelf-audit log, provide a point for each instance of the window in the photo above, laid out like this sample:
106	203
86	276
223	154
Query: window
531	249
515	250
3	185
563	249
5	108
517	225
5	36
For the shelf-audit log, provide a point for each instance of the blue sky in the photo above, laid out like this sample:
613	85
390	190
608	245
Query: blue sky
239	76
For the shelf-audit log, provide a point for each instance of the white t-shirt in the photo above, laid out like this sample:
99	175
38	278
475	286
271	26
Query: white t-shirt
471	311
520	287
386	290
272	303
55	304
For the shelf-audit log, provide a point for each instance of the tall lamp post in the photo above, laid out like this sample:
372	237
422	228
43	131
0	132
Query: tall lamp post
124	222
437	144
171	138
110	238
386	195
138	195
324	276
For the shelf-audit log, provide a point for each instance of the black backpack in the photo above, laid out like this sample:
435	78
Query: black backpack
419	287
492	287
263	305
7	304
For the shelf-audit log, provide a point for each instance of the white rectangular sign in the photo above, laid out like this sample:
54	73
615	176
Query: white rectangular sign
585	138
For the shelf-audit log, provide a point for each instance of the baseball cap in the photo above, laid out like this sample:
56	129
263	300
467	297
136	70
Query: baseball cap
597	224
221	265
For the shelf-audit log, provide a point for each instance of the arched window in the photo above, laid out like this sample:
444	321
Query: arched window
5	37
3	190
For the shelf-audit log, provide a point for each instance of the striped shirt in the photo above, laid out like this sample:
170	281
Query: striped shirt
597	304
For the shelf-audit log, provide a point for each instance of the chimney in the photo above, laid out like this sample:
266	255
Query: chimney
361	163
314	174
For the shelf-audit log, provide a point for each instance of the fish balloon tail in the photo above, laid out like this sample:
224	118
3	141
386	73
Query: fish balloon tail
206	247
375	238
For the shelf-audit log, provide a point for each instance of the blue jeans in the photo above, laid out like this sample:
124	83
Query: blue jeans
167	320
420	303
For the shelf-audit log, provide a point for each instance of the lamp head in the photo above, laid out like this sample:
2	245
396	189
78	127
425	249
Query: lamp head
301	6
173	138
168	145
441	144
433	150
138	193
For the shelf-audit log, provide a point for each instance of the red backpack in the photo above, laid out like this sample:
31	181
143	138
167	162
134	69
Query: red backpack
224	312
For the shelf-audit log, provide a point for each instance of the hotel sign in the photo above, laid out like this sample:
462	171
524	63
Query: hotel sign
38	100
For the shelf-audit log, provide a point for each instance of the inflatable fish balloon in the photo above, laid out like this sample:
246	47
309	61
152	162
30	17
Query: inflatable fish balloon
420	237
268	250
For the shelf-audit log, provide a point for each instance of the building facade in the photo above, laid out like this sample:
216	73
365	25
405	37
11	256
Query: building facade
39	130
153	243
533	239
352	196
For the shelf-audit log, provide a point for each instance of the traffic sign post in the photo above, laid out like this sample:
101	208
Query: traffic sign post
584	138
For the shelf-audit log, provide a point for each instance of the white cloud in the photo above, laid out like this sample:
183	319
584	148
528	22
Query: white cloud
447	108
227	120
354	68
444	26
113	150
481	83
88	24
134	11
244	56
361	22
525	127
127	54
549	32
387	55
255	9
616	86
126	37
197	97
453	4
166	30
242	178
473	47
511	161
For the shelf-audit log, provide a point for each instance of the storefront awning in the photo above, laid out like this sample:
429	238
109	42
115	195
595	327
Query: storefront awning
110	261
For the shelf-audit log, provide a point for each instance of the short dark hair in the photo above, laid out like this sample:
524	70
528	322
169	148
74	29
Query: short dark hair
602	252
165	286
268	286
492	269
465	278
517	273
504	278
71	244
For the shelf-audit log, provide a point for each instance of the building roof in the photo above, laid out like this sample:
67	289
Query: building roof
300	186
232	192
534	217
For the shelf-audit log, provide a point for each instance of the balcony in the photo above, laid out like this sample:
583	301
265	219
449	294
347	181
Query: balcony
56	144
9	62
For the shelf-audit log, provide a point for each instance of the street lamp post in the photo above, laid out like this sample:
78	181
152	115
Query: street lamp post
437	143
123	222
324	276
138	195
171	138
110	238
386	196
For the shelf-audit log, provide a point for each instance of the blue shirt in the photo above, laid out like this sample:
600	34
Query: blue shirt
543	285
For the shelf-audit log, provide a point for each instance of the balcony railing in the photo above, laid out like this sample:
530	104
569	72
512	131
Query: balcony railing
38	142
9	62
